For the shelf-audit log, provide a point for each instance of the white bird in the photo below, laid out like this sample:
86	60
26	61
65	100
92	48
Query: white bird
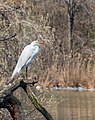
26	57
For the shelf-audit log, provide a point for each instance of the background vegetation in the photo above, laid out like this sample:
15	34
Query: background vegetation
68	29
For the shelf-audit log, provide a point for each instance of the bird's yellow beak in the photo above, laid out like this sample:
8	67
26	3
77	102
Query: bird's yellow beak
40	42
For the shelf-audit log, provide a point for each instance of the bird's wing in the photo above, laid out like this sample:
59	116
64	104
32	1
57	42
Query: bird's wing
25	55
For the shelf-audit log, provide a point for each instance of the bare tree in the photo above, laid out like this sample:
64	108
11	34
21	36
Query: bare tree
72	8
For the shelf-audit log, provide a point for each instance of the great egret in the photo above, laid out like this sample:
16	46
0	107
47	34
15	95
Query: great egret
26	57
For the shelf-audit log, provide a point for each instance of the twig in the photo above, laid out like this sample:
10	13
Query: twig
8	38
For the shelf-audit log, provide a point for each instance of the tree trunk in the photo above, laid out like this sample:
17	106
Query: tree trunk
13	105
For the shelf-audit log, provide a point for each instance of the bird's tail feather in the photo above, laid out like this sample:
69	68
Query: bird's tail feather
15	72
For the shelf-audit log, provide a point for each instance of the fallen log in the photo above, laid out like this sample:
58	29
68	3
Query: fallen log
13	105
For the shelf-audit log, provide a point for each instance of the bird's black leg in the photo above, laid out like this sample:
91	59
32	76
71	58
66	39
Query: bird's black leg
26	72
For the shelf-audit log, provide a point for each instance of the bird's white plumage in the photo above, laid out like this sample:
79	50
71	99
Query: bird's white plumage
29	52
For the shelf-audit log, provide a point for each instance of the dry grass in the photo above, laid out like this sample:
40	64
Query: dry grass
75	73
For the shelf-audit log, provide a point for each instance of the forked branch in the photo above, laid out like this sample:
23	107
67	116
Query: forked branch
13	105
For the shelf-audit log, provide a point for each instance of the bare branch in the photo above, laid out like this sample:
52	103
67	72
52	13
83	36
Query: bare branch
7	100
8	37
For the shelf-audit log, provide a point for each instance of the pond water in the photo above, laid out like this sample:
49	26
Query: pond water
73	105
64	105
